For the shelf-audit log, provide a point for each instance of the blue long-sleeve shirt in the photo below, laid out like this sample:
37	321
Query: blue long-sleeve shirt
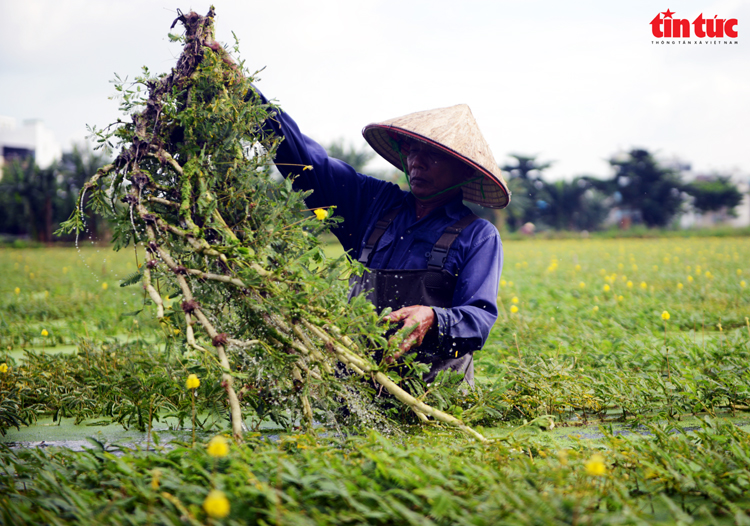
476	256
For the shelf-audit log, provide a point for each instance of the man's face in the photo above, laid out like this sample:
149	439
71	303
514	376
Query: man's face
431	171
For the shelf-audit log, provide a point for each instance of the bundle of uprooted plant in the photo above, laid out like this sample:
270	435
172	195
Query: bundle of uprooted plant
232	261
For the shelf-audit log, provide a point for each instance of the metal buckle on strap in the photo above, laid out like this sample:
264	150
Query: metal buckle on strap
437	257
364	258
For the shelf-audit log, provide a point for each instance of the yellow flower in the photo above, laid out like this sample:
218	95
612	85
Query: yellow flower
321	213
31	275
515	299
17	290
582	285
595	465
643	285
45	333
3	367
596	308
104	286
620	298
65	270
578	268
743	284
216	504
503	282
510	283
635	267
155	476
513	309
665	315
708	274
606	288
656	267
192	382
218	446
690	279
739	272
679	286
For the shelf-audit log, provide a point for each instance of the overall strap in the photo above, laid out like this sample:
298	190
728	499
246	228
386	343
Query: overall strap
380	227
440	251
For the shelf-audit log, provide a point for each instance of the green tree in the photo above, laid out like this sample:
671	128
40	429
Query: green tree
573	205
649	191
357	158
526	184
34	201
29	200
714	193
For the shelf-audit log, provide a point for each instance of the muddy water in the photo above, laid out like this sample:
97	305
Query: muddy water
18	354
568	434
46	433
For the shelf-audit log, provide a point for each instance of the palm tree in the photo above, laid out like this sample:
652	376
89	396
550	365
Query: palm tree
573	205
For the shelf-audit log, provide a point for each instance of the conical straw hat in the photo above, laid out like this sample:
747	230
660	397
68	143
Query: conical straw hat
453	131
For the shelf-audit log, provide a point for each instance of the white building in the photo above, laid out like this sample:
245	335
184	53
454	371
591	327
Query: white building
31	139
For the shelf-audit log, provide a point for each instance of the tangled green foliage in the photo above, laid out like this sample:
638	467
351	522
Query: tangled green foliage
235	249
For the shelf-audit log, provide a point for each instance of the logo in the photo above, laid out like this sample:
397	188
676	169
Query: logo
703	28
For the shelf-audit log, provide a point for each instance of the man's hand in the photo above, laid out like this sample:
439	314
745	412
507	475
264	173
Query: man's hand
423	317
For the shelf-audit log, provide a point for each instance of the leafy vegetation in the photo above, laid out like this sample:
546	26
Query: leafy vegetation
579	356
375	480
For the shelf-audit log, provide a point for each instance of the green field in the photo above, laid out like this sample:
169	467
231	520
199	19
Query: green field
599	409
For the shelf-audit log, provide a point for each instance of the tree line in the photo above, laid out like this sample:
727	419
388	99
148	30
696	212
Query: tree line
33	201
642	189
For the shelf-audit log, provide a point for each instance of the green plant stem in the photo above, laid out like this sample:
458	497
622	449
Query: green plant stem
192	403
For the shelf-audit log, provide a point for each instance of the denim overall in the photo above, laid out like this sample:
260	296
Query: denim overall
432	287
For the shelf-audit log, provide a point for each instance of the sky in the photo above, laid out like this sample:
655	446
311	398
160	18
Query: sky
572	82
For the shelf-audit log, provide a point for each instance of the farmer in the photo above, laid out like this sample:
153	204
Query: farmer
432	261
